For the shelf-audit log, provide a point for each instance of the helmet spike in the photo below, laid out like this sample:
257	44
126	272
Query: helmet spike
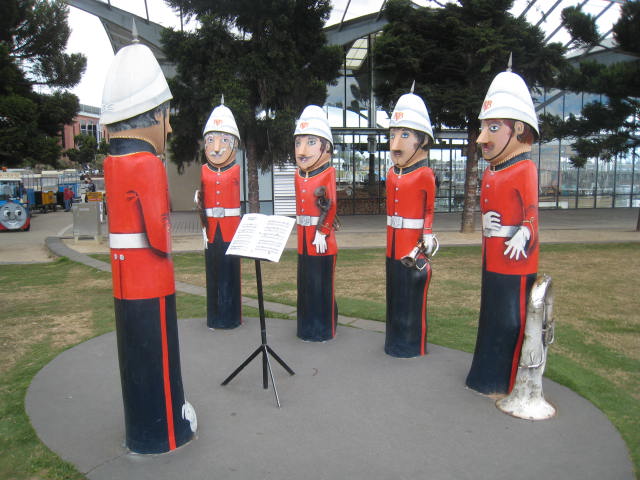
510	62
413	86
134	31
222	99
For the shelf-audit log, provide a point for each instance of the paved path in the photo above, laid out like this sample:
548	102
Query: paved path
349	412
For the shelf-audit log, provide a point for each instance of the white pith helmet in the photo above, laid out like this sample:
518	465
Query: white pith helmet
508	97
313	121
135	83
411	112
221	120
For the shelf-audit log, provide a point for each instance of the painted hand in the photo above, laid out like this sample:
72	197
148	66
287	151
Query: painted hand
429	240
491	221
320	242
516	244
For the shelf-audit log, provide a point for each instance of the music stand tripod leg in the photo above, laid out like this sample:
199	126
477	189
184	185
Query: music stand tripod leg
244	364
264	348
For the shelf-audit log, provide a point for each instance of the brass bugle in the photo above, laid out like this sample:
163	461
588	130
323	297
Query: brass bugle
410	259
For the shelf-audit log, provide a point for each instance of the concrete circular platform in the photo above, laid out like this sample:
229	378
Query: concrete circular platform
350	412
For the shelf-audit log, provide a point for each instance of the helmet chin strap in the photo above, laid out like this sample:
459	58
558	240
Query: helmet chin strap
503	148
412	155
316	160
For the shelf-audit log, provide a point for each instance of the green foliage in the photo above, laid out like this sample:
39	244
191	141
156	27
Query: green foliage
608	127
85	151
453	54
33	36
581	26
268	59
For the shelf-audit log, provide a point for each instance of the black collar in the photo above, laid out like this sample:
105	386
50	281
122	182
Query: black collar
221	169
315	172
512	161
415	166
125	146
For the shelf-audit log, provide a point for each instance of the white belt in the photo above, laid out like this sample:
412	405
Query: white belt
219	212
128	240
506	231
401	222
306	220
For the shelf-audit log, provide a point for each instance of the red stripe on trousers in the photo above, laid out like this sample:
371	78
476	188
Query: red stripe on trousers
523	320
423	339
165	374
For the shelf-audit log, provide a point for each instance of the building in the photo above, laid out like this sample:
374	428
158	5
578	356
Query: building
360	127
86	122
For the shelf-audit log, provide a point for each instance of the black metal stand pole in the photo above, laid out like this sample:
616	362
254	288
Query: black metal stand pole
264	348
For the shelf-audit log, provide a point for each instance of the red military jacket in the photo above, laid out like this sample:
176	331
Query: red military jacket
512	191
138	203
411	194
221	188
306	184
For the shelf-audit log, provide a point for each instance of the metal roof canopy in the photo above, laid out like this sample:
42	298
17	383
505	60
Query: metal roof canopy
353	31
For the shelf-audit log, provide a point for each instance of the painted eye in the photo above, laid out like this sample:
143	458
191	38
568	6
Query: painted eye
312	142
494	127
405	135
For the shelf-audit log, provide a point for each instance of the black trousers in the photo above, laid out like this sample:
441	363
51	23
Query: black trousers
224	292
317	307
503	310
149	358
406	329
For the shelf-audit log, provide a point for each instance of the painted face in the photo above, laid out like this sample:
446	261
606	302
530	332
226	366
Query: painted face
310	153
404	146
498	140
220	148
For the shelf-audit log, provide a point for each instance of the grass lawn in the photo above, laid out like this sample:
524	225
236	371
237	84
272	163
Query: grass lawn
57	305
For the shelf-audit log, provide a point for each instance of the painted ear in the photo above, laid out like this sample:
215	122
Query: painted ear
519	127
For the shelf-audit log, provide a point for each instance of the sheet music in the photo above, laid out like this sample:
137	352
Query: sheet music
261	236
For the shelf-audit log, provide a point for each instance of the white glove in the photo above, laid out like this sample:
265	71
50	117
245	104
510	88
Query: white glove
320	242
491	221
196	198
429	240
515	245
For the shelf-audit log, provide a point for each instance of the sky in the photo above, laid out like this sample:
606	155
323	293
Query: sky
89	38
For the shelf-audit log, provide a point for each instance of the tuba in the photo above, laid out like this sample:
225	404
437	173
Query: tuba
526	400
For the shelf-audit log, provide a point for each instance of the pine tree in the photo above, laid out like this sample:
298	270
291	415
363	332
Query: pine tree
608	127
33	36
453	53
268	58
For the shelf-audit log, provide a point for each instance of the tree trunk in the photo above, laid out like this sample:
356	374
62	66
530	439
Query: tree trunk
470	184
253	188
638	222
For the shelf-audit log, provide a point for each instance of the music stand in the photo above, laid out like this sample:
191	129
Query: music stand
250	227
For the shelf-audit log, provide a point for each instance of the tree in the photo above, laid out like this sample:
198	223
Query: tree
86	150
607	127
453	53
268	58
33	36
